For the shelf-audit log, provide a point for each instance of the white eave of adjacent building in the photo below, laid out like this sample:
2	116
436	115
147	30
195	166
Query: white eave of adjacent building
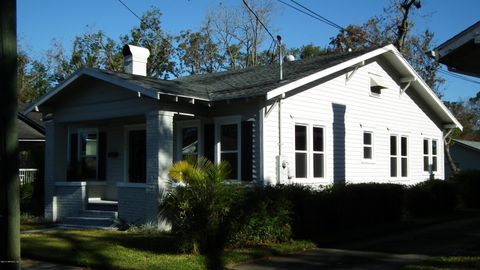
395	58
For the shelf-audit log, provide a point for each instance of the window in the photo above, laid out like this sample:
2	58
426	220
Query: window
430	155
393	156
367	145
229	147
88	153
426	155
189	142
309	153
318	152
398	156
434	155
404	156
300	151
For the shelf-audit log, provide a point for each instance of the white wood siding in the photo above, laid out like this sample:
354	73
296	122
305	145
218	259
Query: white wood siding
391	113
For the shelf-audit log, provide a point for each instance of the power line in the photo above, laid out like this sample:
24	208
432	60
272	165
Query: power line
258	19
458	76
308	14
320	16
144	22
131	11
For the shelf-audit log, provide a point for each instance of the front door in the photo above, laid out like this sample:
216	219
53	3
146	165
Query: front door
137	156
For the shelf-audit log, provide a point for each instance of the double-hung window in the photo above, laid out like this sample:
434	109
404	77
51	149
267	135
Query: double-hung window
229	146
430	155
301	160
398	156
367	145
88	153
309	151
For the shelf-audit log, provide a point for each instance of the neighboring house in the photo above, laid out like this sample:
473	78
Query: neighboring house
461	52
360	116
466	155
31	142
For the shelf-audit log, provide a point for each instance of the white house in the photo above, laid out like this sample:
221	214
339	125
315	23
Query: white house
355	117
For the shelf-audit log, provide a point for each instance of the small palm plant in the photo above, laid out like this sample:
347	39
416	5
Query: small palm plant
201	207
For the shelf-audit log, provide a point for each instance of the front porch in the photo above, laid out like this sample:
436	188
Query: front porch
126	160
122	160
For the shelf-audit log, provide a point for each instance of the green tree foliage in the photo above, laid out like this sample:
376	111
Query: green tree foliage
33	78
149	34
198	53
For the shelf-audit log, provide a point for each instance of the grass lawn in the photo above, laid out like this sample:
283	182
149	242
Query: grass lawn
123	250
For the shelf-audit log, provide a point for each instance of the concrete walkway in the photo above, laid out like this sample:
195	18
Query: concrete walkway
336	259
38	265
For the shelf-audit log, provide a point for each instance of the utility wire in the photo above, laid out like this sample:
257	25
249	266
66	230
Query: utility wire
318	15
258	19
142	21
321	18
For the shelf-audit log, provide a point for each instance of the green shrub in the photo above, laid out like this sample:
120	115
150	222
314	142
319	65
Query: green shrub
263	218
365	204
468	184
431	197
201	211
26	197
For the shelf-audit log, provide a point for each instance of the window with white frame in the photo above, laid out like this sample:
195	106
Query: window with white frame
301	161
426	155
434	155
87	154
309	151
367	145
318	152
404	155
229	147
398	156
430	155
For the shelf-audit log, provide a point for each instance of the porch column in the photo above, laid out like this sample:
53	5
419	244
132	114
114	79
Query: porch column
159	158
55	164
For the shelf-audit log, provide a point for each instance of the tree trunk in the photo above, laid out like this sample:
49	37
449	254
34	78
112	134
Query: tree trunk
451	163
9	183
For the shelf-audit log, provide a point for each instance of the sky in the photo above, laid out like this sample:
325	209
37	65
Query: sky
41	22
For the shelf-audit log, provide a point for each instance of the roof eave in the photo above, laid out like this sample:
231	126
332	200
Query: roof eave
386	49
104	77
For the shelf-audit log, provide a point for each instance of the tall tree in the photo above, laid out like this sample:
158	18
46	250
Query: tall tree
198	53
9	182
34	78
239	32
394	26
149	34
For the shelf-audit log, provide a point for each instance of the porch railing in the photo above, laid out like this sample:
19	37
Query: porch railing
27	175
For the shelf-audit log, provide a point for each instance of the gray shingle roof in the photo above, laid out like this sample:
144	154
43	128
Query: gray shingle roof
472	144
243	83
28	129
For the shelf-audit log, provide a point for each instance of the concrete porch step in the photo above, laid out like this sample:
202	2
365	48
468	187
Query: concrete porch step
102	205
99	214
89	221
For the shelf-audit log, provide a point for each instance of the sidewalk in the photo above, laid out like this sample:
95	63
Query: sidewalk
28	264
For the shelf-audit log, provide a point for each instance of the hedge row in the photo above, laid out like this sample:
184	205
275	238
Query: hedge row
352	206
